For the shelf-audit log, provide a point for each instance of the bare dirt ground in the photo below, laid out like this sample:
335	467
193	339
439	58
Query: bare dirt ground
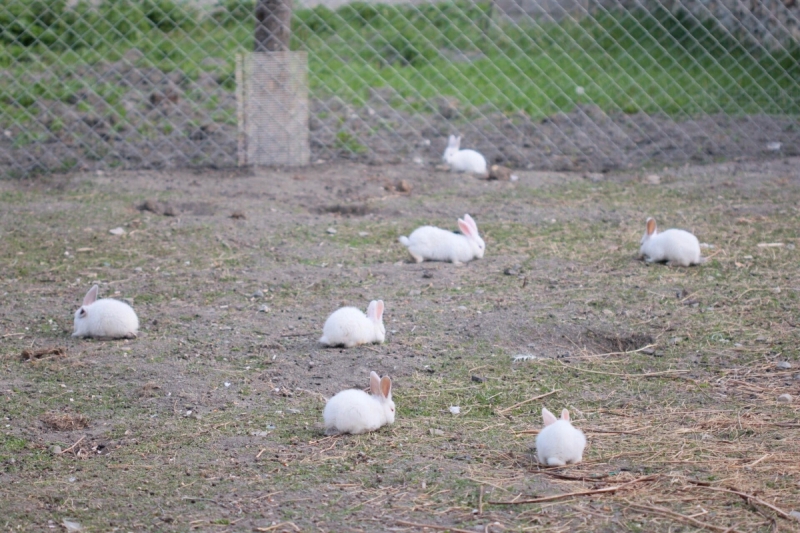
211	419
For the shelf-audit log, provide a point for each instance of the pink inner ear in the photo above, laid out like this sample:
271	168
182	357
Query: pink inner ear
465	228
386	386
548	417
91	296
374	383
379	310
651	226
565	415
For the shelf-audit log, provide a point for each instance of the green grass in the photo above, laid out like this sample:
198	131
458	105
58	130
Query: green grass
626	61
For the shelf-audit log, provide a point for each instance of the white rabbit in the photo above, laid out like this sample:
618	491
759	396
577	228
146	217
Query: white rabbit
105	318
559	443
463	160
435	244
354	411
350	327
675	246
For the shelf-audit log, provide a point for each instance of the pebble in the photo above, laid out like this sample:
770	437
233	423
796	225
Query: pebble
414	292
258	294
437	432
675	340
331	231
455	409
784	365
55	450
263	309
117	231
795	515
653	179
785	398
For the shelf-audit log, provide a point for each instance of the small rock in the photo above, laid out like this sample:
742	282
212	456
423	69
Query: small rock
427	274
55	450
363	233
648	351
761	339
71	527
403	186
773	146
675	340
331	231
238	215
796	376
785	398
795	515
594	177
258	294
455	409
414	292
477	379
511	271
784	365
501	173
653	179
263	309
437	432
462	308
608	312
117	231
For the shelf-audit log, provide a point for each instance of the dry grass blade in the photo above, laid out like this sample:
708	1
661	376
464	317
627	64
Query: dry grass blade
432	526
64	421
276	526
31	355
749	498
556	497
529	400
663	374
681	518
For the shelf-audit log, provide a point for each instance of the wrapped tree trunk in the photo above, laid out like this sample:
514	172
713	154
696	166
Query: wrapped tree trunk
273	98
273	25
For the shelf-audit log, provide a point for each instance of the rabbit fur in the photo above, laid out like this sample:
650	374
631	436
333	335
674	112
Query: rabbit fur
429	243
107	318
349	327
354	411
463	160
559	443
676	247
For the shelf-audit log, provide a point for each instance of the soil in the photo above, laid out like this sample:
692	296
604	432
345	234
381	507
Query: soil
210	419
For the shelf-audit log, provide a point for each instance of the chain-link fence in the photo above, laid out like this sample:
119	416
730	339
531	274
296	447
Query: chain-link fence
548	84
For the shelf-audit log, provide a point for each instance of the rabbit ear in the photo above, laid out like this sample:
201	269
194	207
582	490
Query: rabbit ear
91	296
451	141
374	383
375	310
466	228
458	141
468	220
565	415
548	417
386	387
651	226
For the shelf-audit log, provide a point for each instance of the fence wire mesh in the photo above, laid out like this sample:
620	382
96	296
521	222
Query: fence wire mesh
547	84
